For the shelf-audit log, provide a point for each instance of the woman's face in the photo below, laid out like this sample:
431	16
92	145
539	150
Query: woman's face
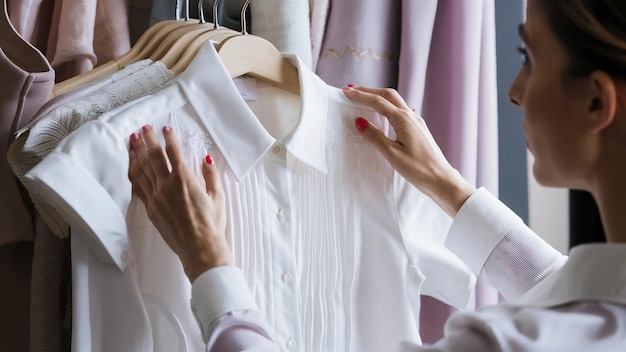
553	112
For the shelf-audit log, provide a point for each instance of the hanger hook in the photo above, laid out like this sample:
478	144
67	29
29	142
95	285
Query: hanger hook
216	22
243	17
177	10
186	10
201	11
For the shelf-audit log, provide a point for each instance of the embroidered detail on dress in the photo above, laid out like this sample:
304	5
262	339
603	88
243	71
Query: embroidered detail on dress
352	50
197	143
354	138
346	137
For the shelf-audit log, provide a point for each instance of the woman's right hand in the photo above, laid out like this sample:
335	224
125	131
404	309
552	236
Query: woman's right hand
414	153
190	218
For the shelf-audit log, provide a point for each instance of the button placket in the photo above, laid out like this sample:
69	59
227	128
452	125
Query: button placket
284	268
291	344
286	277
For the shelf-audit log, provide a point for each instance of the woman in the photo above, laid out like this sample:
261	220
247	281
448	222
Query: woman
572	88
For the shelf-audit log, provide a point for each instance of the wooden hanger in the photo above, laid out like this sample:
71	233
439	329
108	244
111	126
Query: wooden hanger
149	42
246	54
177	62
146	44
184	48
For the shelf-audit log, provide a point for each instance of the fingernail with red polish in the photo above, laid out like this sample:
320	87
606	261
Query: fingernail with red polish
208	160
146	128
134	137
348	87
166	129
361	123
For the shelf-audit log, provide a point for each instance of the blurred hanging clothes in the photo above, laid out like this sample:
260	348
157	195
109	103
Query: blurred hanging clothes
44	41
361	43
285	23
318	14
65	31
441	58
228	12
27	84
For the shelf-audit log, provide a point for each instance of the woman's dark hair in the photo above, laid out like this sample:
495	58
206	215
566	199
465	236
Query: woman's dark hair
593	33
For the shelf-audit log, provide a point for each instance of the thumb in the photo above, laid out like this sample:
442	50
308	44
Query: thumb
373	134
211	176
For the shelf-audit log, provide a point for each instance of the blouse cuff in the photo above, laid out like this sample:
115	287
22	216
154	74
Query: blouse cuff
481	223
219	291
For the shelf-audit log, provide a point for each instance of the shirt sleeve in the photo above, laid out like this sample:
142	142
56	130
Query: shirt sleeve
90	167
494	241
424	226
227	314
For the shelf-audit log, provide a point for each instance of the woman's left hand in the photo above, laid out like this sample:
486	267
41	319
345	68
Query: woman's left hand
414	153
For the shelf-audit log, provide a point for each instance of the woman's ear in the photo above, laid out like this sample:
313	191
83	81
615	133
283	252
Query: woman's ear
603	101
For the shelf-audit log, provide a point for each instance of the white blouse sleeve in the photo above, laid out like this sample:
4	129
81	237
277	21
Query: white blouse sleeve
494	241
227	314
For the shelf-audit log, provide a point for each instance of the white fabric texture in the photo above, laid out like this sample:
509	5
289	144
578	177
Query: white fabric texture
322	227
43	135
518	259
575	304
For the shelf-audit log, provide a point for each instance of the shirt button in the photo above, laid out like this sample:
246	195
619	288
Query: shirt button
276	149
124	256
286	277
280	214
291	344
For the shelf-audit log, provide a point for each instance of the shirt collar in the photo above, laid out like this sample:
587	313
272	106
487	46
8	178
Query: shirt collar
237	132
592	272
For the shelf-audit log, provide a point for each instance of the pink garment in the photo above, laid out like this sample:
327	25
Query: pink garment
69	32
459	104
441	58
76	35
456	92
32	19
361	44
318	15
27	83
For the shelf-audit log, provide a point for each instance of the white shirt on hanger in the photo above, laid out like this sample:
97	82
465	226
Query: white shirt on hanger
550	309
54	122
335	246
